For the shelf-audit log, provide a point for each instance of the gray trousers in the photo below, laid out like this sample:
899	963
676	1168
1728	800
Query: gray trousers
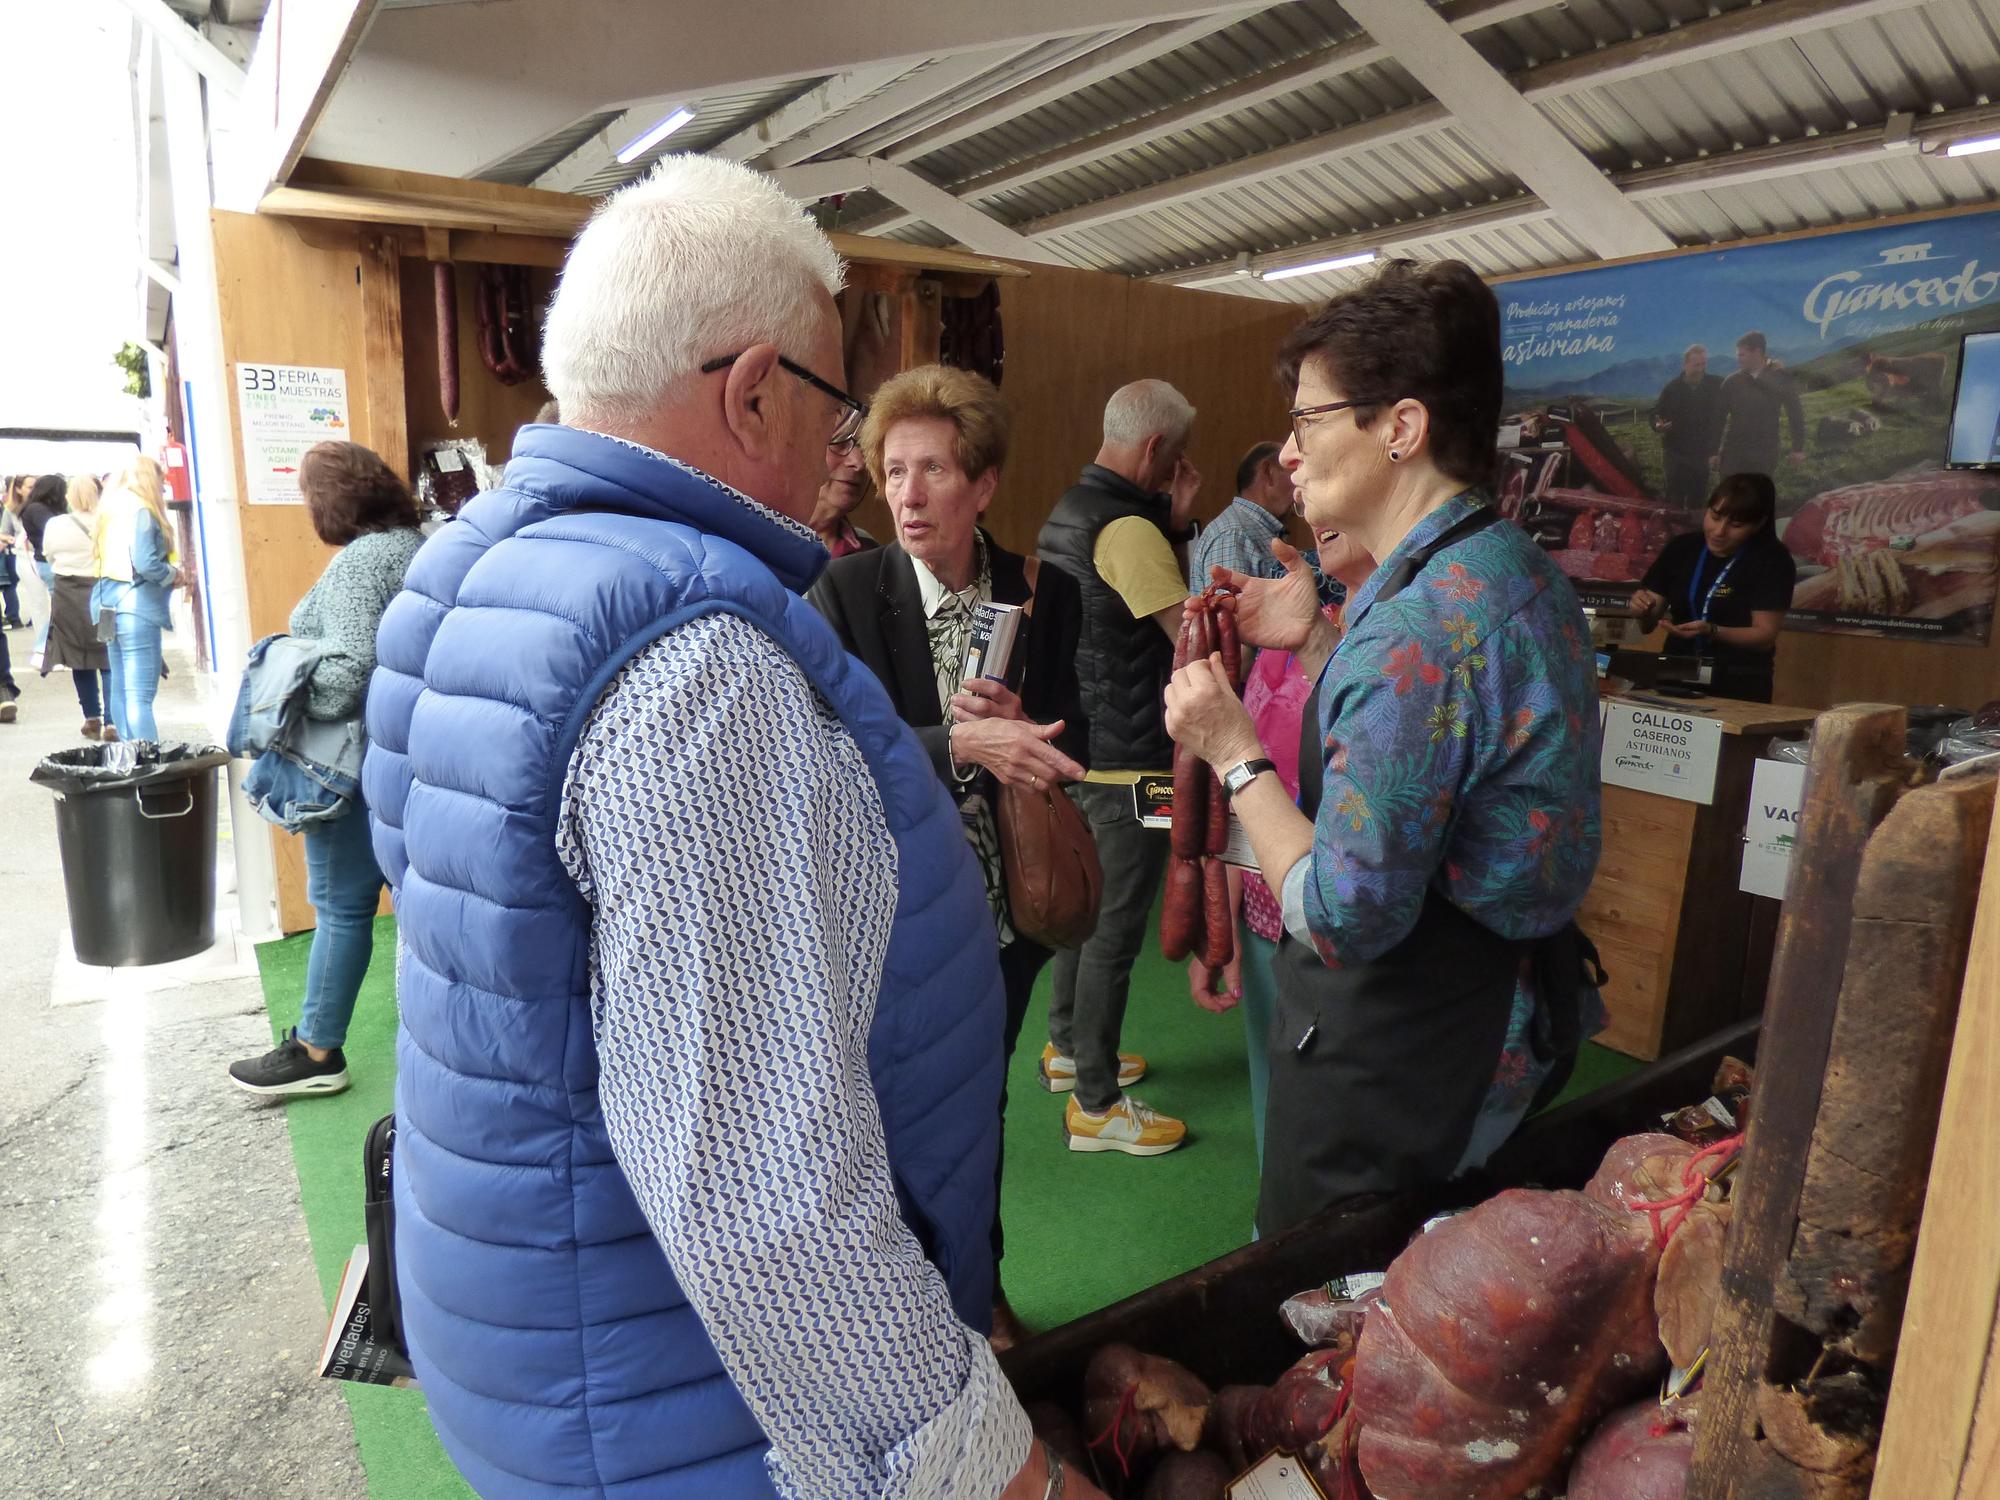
1087	1010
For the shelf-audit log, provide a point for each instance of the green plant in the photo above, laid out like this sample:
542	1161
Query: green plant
138	371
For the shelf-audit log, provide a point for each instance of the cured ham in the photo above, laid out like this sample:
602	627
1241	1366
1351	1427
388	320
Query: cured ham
1863	517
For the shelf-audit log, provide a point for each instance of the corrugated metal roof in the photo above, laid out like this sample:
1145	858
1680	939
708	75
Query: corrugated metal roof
1809	82
716	119
1262	41
523	167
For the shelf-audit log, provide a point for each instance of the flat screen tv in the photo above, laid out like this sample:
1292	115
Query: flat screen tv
1975	408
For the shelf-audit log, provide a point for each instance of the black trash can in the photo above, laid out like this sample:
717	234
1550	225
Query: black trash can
136	824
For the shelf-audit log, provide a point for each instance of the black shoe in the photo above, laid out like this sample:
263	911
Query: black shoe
289	1069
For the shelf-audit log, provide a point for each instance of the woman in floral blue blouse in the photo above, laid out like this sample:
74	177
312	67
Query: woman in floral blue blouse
1431	978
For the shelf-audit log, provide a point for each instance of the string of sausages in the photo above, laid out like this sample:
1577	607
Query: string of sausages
1195	918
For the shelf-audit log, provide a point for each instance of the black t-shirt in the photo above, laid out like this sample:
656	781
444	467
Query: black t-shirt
1724	591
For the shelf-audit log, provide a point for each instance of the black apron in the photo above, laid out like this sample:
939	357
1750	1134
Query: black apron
1378	1070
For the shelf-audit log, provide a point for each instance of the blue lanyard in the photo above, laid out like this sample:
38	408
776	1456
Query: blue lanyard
1700	611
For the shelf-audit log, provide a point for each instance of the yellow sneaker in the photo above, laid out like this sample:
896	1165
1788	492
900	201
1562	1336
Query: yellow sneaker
1128	1126
1059	1072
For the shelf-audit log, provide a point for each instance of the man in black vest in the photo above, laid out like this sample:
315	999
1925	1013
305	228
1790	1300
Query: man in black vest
1116	533
1688	418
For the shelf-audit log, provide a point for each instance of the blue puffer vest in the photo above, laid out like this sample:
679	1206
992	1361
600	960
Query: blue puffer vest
558	1353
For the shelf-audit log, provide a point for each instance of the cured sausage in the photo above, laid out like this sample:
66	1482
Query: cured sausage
1231	643
1219	942
444	287
1181	920
1190	775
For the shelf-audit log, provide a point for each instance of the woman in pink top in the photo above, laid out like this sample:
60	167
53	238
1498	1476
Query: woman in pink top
1275	692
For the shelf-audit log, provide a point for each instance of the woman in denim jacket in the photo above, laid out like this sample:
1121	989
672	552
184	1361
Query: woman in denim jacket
136	571
359	505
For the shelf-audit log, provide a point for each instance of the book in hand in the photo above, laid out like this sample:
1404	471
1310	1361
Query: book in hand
349	1353
990	652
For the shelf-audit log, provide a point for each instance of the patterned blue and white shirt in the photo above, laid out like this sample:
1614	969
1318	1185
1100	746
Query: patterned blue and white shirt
736	953
1240	539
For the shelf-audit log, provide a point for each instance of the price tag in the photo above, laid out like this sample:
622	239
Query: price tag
1279	1477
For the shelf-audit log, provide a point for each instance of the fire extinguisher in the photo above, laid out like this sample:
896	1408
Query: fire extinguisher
180	482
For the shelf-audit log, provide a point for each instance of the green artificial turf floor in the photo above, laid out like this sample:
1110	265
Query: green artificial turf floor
1083	1231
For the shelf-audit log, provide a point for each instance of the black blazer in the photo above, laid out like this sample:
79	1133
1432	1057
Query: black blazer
874	605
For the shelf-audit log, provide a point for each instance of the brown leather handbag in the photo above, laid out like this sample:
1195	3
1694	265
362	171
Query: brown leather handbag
1054	882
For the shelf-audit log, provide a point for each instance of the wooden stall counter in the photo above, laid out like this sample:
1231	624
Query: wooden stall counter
1687	950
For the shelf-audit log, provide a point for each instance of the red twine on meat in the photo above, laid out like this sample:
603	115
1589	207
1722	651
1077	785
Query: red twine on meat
1115	1432
1694	1183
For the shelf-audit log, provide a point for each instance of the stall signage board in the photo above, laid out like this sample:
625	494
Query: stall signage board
1777	790
1669	751
284	410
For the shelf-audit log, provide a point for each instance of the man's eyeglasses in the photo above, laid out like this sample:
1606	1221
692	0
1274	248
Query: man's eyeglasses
1301	414
849	430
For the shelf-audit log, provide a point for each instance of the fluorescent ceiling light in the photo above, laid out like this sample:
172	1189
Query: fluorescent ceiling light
640	145
1313	268
1973	147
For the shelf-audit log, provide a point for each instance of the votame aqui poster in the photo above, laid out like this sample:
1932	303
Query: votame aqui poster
1827	362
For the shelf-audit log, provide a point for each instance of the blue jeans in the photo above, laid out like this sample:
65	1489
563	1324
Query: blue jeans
135	678
344	884
90	692
47	573
1260	1000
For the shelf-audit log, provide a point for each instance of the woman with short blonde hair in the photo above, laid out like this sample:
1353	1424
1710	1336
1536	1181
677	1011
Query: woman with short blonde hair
136	570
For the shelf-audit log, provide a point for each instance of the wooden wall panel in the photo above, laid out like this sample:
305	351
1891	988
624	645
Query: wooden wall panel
321	297
1818	671
1074	337
487	410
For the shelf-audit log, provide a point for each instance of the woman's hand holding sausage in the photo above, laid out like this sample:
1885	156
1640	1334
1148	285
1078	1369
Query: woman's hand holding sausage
1205	715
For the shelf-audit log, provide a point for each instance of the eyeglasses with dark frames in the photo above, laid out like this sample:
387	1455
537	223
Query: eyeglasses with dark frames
1299	414
847	433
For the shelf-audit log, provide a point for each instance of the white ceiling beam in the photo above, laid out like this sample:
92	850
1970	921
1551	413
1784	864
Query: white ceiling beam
456	89
1516	134
1133	50
1699	41
1619	62
840	92
1383	130
301	52
977	231
187	44
909	92
1259	88
1021	71
824	100
1388	239
1745	168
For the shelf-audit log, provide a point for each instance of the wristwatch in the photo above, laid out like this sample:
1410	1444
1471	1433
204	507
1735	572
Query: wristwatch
1242	774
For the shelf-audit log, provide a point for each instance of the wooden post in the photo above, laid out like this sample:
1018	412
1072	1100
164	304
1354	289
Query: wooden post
1855	778
1942	1441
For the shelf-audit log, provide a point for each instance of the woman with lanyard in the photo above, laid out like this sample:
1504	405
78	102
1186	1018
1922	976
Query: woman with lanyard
1430	977
1725	589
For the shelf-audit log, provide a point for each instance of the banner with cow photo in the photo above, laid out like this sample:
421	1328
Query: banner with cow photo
1829	364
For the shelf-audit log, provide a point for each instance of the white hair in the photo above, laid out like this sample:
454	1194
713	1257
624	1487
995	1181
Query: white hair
701	257
1701	349
1137	411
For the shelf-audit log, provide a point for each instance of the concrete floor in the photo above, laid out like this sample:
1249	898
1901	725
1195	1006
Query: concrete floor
157	1300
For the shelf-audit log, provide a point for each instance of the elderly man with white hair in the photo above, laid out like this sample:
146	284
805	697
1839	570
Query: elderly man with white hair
1116	533
699	1066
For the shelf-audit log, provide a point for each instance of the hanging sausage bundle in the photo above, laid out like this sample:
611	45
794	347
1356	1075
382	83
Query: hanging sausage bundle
1195	917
